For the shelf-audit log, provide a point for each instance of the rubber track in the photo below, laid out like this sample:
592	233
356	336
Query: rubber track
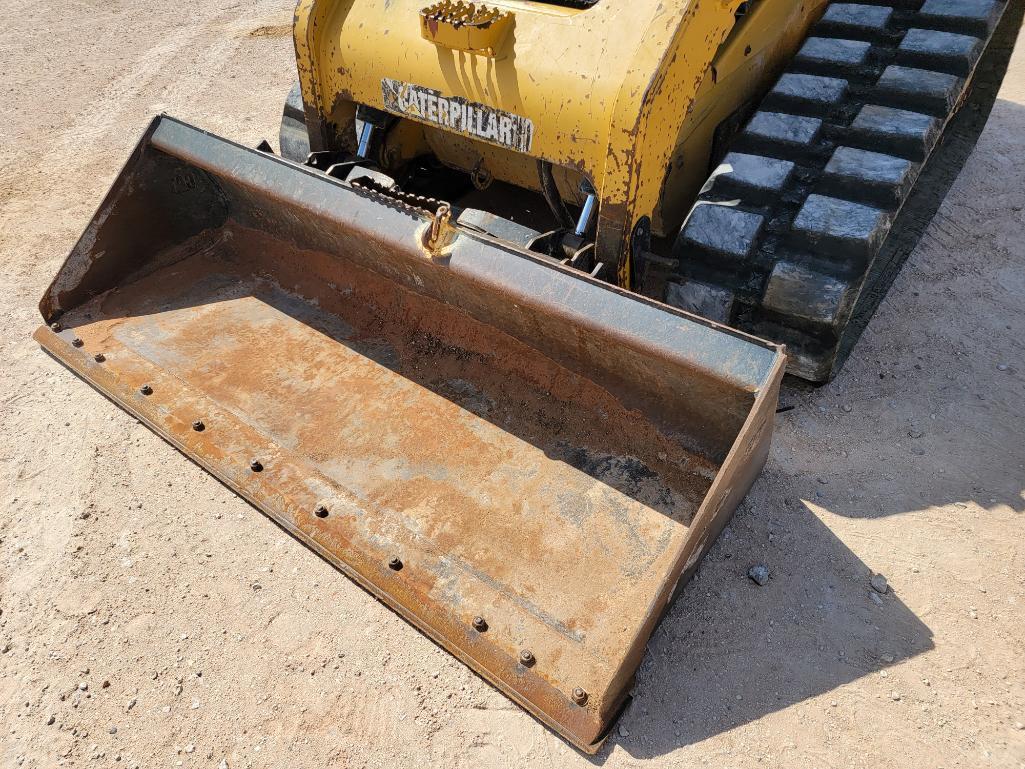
823	168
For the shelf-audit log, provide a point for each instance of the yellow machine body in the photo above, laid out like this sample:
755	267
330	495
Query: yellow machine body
625	96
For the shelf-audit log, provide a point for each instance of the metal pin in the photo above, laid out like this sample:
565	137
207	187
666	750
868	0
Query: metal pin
320	511
76	342
198	426
56	327
584	222
479	624
527	658
395	564
255	465
99	357
365	136
579	696
146	390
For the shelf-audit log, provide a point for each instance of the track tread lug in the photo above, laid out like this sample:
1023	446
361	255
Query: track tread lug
842	228
722	232
807	95
855	21
755	178
900	132
933	92
976	17
948	52
832	56
868	177
780	134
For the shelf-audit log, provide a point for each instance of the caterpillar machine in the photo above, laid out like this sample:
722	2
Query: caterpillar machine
487	333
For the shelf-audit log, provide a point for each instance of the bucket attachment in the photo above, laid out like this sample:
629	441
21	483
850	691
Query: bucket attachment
520	460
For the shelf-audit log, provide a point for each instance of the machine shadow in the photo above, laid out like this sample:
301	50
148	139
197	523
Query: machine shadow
729	651
936	443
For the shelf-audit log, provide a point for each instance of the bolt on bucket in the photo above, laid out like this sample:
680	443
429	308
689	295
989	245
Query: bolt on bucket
522	461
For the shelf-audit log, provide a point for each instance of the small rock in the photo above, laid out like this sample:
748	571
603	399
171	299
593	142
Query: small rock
875	598
1002	367
623	731
50	721
195	705
112	730
879	583
223	764
105	684
895	696
915	433
190	748
847	408
759	574
1019	726
822	480
887	658
918	451
83	686
131	704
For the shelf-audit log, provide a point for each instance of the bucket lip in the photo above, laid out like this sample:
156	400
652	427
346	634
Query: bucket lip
511	248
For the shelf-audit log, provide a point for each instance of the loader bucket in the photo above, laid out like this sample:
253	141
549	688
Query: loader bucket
521	461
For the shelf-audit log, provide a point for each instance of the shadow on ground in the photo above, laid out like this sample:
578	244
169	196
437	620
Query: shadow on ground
729	652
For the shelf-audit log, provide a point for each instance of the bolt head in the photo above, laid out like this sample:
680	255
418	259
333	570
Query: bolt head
320	511
99	357
255	465
395	564
146	390
76	342
56	327
198	426
479	624
579	696
527	658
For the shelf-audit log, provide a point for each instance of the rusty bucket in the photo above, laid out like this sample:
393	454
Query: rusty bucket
522	461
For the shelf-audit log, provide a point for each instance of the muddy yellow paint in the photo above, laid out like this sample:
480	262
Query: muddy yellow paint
612	90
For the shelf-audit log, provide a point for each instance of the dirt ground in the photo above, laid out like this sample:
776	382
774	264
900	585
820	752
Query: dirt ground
152	618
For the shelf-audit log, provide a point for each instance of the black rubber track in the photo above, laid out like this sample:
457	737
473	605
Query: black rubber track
840	169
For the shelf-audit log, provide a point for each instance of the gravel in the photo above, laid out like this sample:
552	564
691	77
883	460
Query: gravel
759	574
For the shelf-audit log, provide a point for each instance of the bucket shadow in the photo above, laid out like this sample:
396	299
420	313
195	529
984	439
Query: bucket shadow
729	651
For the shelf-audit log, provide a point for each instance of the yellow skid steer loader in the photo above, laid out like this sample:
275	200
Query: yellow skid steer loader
472	337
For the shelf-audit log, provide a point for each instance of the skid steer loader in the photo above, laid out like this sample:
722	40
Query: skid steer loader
429	338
